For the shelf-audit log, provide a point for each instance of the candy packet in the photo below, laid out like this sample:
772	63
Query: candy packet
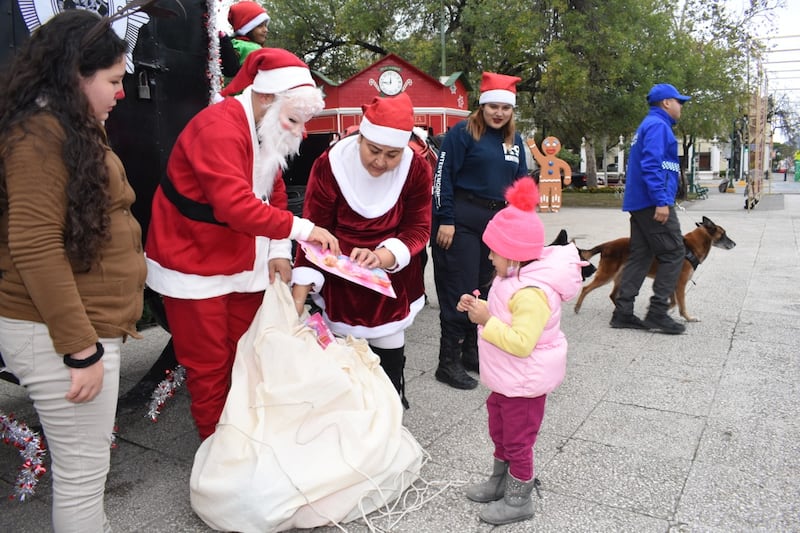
324	334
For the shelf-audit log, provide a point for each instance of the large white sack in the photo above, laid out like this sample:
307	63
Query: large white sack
308	436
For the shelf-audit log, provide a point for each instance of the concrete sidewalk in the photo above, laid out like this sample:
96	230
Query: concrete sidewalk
648	432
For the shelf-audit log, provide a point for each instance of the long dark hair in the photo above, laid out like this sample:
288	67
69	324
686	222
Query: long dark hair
45	78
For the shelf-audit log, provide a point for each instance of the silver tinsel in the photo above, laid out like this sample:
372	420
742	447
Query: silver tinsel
32	450
165	390
214	72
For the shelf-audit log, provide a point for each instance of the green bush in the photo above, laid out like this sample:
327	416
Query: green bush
592	197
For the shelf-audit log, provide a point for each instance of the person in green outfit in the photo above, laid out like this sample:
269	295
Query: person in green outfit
249	21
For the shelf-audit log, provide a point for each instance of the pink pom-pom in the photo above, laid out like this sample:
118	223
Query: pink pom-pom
523	194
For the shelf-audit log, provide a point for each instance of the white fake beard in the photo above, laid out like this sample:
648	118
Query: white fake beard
276	146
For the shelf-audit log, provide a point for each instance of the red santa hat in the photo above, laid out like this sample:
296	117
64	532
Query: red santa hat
270	71
245	16
498	88
388	121
516	232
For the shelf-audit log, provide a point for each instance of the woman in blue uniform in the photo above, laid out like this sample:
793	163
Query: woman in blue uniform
480	158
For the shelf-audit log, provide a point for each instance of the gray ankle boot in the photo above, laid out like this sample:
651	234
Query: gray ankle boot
493	488
515	506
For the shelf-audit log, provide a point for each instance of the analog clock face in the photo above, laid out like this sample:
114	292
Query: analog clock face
390	82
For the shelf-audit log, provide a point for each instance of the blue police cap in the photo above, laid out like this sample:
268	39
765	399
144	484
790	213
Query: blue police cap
662	91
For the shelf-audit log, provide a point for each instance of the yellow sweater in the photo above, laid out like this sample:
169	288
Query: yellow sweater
38	282
530	312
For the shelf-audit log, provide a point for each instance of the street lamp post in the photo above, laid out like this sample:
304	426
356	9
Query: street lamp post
441	31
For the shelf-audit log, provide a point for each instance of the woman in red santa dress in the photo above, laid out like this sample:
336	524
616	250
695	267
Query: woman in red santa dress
374	193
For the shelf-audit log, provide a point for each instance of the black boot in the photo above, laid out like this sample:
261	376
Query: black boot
393	361
450	370
469	350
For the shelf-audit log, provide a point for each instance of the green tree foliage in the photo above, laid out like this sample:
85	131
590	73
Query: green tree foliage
341	37
599	69
783	155
585	65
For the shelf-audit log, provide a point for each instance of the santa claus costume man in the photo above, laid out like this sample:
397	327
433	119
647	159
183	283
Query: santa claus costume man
374	193
220	227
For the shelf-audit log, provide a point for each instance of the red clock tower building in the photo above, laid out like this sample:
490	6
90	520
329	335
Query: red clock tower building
438	104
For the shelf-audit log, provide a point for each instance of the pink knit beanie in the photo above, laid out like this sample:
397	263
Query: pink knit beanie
516	232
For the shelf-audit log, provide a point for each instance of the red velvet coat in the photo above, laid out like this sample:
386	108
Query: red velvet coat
409	220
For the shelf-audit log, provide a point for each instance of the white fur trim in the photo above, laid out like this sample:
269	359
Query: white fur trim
250	26
308	276
301	229
402	255
366	332
498	96
281	79
263	181
178	284
368	196
384	135
280	249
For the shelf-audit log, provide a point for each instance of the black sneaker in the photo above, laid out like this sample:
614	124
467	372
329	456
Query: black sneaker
620	321
664	324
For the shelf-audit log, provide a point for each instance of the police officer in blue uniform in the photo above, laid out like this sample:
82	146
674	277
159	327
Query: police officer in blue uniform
652	182
480	157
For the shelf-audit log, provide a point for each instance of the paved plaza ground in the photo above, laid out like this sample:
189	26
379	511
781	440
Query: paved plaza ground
648	433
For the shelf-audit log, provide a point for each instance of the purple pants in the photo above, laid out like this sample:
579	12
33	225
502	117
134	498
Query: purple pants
513	425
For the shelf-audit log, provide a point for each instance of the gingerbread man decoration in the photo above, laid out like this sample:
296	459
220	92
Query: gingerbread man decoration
550	170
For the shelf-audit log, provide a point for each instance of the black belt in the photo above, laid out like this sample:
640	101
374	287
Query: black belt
189	208
493	205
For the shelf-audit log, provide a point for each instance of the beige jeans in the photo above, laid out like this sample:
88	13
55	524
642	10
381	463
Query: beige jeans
78	435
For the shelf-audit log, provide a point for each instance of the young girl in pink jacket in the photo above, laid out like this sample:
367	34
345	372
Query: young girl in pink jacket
522	350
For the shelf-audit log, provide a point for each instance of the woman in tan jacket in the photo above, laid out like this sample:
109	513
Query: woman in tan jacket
71	257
